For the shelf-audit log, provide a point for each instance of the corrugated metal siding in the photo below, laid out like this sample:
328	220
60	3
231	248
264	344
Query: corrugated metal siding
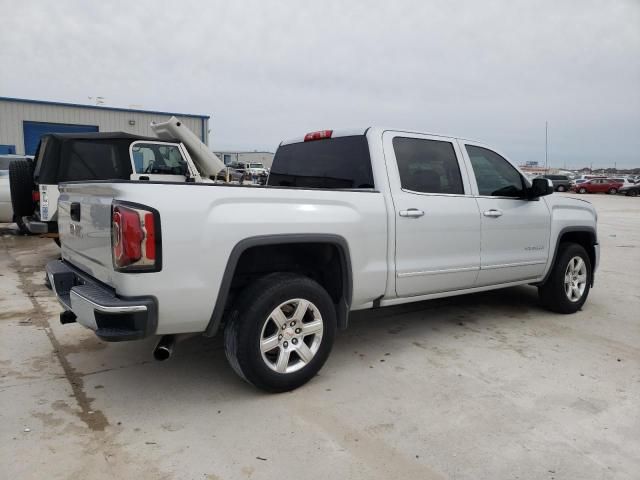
13	114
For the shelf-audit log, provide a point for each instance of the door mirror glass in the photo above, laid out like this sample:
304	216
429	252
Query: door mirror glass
540	187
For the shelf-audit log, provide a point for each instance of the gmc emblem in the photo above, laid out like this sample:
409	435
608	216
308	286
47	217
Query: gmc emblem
75	230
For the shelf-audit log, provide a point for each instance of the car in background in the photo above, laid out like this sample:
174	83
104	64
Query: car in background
626	181
598	185
68	157
6	209
254	172
577	181
230	174
631	190
561	183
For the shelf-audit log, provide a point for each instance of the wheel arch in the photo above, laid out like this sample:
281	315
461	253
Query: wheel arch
584	236
342	300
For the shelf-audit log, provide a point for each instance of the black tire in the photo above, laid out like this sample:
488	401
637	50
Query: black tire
613	191
252	310
57	241
552	293
561	188
21	186
632	193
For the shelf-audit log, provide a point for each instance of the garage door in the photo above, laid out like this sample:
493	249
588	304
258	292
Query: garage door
34	130
7	149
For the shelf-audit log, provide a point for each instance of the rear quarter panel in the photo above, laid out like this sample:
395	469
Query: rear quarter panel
202	223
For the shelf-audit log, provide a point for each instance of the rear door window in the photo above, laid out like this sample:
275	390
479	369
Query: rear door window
428	166
336	163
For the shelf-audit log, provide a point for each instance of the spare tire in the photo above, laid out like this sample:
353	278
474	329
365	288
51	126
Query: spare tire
21	186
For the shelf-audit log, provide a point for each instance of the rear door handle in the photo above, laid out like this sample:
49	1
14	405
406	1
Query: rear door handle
74	211
493	213
411	212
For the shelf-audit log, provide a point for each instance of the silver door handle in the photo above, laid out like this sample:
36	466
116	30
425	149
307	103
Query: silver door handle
412	212
493	213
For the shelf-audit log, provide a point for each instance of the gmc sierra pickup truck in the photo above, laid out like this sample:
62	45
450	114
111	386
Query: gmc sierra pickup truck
348	220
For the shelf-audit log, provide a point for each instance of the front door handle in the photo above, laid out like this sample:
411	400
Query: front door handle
411	213
493	213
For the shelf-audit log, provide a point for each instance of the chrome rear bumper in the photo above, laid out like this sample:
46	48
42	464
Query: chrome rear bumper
96	306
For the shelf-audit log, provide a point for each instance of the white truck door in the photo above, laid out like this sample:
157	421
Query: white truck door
158	161
437	219
515	231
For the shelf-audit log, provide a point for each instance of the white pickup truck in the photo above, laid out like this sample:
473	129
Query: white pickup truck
349	220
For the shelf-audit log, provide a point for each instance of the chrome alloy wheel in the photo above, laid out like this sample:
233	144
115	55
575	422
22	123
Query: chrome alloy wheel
291	335
575	279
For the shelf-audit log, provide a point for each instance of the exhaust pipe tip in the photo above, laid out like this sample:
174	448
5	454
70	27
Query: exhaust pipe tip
164	349
67	317
162	353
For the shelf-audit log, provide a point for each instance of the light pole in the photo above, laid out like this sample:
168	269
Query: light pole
546	145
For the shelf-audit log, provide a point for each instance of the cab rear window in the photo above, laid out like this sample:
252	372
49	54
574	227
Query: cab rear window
342	162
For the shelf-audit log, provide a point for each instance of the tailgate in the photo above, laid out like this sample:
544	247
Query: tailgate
84	222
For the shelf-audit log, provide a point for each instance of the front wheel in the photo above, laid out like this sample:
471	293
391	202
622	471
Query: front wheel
632	193
281	331
561	188
567	287
582	190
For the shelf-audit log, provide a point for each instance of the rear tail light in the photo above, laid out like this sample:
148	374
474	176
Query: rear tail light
135	238
322	134
35	196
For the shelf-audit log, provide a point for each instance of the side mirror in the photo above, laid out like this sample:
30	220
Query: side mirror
540	187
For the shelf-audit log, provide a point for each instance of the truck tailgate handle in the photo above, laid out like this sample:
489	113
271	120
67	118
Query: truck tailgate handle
411	213
74	211
493	213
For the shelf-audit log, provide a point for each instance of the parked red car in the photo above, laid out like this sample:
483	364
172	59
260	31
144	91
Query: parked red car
597	185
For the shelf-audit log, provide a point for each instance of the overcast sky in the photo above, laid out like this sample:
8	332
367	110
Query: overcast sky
488	70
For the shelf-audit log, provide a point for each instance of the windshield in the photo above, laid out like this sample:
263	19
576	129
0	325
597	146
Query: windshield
158	158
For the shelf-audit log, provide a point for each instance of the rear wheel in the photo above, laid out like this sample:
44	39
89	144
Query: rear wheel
632	193
613	191
281	331
567	287
21	186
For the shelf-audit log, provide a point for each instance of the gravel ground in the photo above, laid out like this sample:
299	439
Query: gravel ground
485	386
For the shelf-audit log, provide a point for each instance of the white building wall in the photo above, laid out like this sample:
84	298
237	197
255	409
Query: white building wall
14	113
